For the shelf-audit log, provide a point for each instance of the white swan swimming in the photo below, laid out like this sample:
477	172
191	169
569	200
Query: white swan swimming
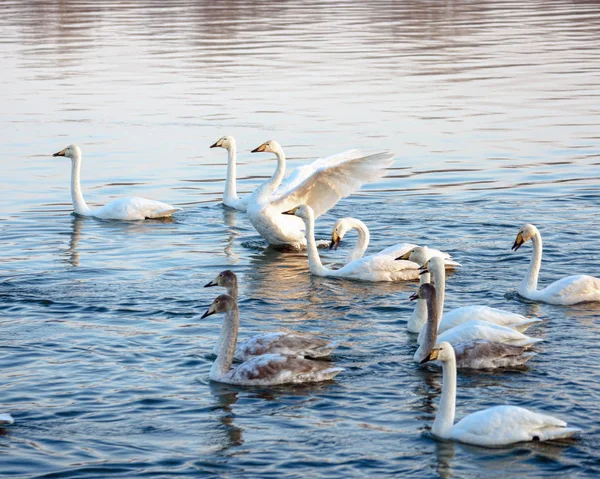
230	197
332	178
495	426
369	268
459	316
6	419
399	251
306	345
566	291
474	354
268	369
130	208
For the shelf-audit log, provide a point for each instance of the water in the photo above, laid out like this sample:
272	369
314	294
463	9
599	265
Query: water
493	110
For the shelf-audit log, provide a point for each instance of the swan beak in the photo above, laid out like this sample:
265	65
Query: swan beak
290	212
335	241
518	242
211	283
261	148
425	268
414	296
432	356
405	256
217	144
60	153
209	312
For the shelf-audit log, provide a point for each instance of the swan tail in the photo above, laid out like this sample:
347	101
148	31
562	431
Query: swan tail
163	213
321	375
451	264
6	419
527	341
550	433
523	326
324	350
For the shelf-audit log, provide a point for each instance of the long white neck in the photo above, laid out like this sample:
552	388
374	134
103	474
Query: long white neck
530	281
230	193
229	333
273	183
363	239
79	204
439	278
314	260
444	419
419	315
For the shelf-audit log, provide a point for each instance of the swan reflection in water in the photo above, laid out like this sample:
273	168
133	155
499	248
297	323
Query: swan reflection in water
227	434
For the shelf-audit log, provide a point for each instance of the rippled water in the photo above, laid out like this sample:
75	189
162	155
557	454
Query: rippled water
493	109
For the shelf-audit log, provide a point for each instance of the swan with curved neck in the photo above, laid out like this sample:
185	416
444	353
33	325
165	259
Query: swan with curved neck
566	291
305	345
495	426
230	196
462	315
472	354
320	185
130	208
267	369
370	268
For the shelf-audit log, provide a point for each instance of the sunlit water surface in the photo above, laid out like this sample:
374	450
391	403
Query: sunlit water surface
493	110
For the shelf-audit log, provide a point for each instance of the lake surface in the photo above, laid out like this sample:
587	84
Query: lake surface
493	110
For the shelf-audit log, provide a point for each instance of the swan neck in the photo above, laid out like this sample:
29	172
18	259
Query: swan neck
431	327
439	277
226	344
530	281
273	183
79	204
231	178
314	260
419	314
444	419
363	240
232	290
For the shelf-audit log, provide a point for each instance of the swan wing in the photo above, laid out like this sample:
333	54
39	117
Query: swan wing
475	329
501	425
284	343
134	208
490	355
571	290
379	268
270	369
328	183
397	250
483	313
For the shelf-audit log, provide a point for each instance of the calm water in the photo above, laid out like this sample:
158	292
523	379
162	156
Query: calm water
493	109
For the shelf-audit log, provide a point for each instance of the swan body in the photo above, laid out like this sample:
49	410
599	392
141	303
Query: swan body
329	179
291	344
466	314
6	419
495	426
402	250
265	370
370	268
129	208
566	291
477	353
230	197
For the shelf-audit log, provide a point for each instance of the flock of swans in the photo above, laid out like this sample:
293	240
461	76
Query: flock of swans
284	211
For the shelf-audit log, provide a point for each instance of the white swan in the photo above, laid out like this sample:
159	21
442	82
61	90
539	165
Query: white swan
230	197
332	178
466	314
566	291
495	426
477	354
306	345
399	251
6	419
131	208
370	268
268	369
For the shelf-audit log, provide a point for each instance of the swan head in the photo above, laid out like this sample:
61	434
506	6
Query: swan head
303	211
525	234
220	304
225	279
71	151
432	265
444	352
341	227
270	146
225	142
425	292
417	255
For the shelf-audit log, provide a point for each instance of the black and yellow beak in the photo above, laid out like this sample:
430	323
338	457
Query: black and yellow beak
432	356
217	144
61	152
518	242
211	283
290	212
259	149
425	268
405	256
335	241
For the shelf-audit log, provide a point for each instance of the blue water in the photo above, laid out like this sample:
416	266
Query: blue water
493	110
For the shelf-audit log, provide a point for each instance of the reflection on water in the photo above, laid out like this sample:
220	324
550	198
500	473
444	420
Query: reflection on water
492	108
